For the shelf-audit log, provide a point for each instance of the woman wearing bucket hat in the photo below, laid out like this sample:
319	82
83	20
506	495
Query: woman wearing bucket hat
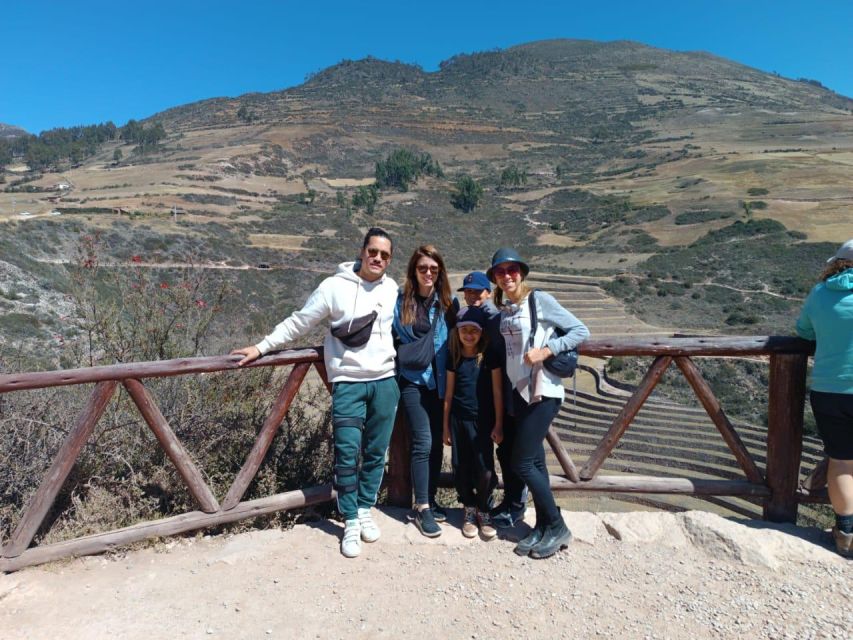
536	393
827	318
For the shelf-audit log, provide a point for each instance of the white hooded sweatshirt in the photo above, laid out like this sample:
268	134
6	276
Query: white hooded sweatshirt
342	298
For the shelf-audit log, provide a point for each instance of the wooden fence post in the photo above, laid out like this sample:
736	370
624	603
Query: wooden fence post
787	397
400	463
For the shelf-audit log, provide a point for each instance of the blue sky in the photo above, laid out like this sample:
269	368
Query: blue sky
68	62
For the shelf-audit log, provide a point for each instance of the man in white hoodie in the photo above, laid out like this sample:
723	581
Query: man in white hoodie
359	356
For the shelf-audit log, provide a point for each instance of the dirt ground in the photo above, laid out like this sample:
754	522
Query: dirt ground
624	575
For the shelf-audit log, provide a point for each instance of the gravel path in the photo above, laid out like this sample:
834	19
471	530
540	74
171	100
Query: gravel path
694	577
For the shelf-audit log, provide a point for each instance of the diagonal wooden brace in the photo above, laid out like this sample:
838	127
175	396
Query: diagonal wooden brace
172	446
58	473
324	375
629	411
563	456
265	436
720	419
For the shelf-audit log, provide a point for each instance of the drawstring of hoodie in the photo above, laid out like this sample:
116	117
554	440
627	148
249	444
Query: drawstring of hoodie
354	305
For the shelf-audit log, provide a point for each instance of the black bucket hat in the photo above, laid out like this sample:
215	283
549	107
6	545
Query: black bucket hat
506	254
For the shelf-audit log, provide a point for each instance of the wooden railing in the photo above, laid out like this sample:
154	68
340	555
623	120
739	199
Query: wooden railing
777	487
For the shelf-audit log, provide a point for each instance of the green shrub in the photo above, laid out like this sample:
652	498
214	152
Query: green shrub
403	167
468	194
122	476
696	217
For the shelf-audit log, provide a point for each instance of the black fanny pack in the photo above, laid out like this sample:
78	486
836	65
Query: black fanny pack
356	333
418	355
561	364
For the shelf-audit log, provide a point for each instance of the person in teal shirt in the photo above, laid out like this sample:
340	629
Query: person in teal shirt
827	318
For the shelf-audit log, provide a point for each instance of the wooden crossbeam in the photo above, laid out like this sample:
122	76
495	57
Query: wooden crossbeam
719	418
623	420
172	446
265	436
59	470
100	542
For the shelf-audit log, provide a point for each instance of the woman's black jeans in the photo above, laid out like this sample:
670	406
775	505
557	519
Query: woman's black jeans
424	412
528	453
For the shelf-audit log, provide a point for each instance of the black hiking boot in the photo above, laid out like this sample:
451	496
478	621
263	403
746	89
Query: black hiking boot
527	543
555	537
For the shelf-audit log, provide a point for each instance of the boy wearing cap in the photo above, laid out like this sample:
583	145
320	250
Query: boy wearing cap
473	418
477	290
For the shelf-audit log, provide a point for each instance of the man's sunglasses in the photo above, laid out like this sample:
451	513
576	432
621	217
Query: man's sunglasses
512	271
373	252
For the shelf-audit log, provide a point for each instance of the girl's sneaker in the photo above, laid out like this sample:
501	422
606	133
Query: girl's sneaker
351	542
469	523
487	529
369	530
426	524
438	511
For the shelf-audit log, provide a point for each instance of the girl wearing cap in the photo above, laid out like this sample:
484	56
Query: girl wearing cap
827	318
536	393
473	418
421	310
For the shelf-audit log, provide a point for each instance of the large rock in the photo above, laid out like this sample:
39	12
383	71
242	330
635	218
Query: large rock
754	542
646	527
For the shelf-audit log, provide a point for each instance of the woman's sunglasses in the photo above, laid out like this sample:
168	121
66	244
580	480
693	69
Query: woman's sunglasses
373	252
422	268
512	271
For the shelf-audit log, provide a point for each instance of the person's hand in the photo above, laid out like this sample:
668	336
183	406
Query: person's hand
535	356
446	438
498	434
249	354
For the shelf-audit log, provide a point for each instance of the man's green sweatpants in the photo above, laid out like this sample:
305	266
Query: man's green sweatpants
363	417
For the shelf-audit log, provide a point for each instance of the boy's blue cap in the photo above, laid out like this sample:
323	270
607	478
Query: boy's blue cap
476	280
472	316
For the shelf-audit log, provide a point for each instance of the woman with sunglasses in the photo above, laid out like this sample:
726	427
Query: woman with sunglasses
422	305
536	394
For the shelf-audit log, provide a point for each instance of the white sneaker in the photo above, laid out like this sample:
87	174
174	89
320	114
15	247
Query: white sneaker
351	542
369	530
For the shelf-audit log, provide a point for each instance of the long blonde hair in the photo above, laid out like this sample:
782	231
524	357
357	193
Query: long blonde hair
442	284
456	354
834	267
499	293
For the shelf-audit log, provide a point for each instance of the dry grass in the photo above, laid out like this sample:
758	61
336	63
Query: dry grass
278	241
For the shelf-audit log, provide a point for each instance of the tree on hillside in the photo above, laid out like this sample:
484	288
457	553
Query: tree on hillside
246	115
403	167
468	194
146	138
366	197
512	176
117	156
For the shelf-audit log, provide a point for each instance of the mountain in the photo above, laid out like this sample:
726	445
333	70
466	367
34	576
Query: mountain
630	159
10	131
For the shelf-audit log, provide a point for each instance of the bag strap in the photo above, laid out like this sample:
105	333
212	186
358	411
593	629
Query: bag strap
437	313
534	320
